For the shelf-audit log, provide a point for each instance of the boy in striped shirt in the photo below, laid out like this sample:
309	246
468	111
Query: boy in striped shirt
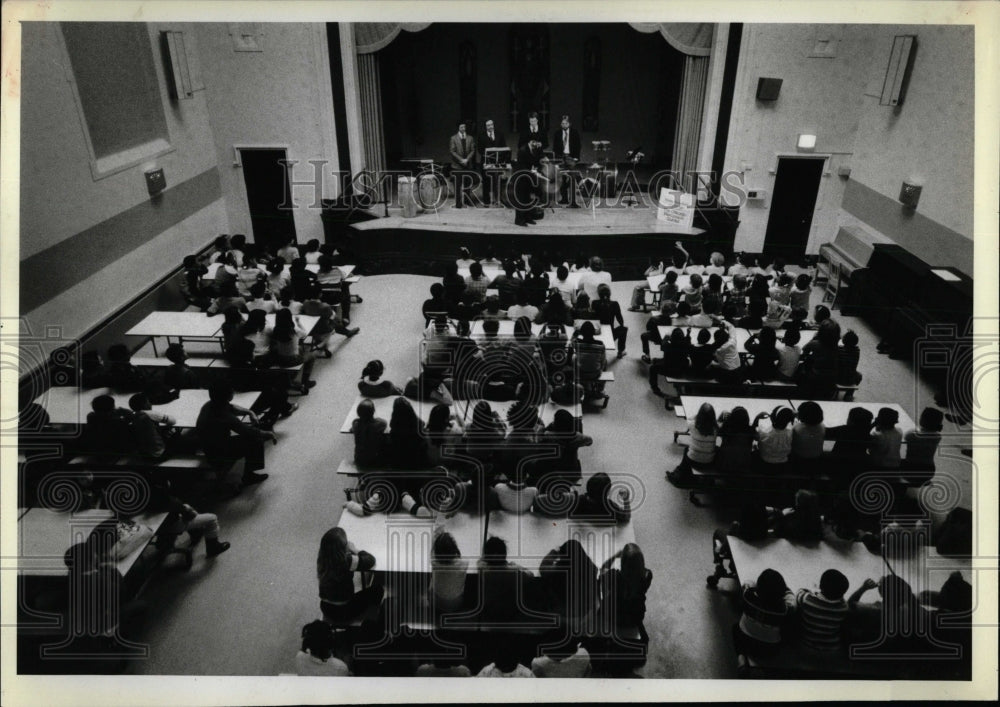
822	613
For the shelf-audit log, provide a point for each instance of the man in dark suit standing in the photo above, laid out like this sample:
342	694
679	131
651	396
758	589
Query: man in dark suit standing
491	137
534	132
463	161
566	145
525	181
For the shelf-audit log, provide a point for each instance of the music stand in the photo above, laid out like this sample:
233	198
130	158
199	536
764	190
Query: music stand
496	156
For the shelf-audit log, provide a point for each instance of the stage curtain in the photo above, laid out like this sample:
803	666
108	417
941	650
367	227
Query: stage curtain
369	37
690	107
370	93
691	38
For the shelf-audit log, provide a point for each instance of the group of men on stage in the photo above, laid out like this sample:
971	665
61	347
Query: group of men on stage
468	155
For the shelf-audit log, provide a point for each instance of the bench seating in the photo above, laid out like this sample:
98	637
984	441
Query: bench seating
759	389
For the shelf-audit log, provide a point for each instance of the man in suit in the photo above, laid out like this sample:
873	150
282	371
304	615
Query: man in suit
566	144
525	183
534	132
491	137
463	161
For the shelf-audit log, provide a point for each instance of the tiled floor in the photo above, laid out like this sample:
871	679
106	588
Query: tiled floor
241	613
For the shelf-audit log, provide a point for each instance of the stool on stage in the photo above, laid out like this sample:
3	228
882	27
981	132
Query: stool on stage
407	199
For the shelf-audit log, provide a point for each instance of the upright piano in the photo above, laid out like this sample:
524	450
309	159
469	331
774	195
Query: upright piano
906	300
851	249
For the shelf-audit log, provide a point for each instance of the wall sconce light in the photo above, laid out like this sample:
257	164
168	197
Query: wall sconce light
909	193
156	182
806	142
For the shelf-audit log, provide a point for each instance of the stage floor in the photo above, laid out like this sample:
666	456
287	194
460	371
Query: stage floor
558	221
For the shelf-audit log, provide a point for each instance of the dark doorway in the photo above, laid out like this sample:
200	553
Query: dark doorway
795	188
266	180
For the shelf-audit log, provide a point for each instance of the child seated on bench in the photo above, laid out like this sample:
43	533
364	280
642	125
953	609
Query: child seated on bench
822	613
675	361
371	387
763	347
701	354
735	452
848	357
774	439
922	443
788	355
886	440
802	522
726	366
767	606
701	451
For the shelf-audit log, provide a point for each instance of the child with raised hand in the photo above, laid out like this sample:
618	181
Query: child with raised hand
799	296
822	613
922	443
678	260
774	439
701	450
640	290
848	357
371	387
886	440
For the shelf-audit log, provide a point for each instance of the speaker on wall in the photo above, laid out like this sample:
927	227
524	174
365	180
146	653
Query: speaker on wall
768	89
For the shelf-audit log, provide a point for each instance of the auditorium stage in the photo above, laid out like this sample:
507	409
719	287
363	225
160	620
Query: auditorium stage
627	238
558	221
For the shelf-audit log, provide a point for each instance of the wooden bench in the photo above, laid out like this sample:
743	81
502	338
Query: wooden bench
347	467
157	362
758	389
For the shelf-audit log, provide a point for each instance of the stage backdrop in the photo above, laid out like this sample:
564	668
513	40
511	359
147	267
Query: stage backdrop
634	99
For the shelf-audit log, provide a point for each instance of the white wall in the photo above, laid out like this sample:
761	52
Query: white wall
931	135
59	195
837	100
60	198
280	96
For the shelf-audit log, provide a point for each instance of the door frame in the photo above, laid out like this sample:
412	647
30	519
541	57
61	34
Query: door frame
238	164
772	172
